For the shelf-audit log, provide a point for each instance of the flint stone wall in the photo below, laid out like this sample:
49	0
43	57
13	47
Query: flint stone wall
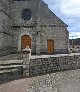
43	65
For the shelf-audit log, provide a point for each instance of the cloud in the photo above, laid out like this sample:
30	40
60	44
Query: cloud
70	8
69	12
67	7
74	34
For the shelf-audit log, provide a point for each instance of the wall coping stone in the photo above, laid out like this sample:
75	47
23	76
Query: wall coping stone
56	55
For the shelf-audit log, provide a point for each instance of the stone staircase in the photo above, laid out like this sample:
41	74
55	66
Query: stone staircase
10	69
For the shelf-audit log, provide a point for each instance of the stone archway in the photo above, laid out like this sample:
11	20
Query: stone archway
25	40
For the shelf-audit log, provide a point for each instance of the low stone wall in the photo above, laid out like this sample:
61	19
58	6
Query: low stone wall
47	64
42	64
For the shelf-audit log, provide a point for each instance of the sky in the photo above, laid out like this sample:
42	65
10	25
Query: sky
69	12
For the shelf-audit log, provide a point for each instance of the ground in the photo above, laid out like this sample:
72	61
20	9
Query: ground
67	81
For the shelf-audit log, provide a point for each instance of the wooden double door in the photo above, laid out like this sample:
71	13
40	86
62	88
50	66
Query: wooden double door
25	40
50	46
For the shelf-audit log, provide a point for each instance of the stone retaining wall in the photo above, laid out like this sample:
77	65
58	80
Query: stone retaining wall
54	63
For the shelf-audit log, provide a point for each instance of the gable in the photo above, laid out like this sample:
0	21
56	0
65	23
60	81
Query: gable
48	17
56	19
36	9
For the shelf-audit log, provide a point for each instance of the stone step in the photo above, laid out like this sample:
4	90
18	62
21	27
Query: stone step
7	71
10	66
9	75
16	56
11	62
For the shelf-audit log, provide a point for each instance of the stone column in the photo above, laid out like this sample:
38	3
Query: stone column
26	61
38	44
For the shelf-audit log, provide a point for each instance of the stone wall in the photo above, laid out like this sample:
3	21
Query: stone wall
17	8
42	65
44	25
60	37
6	35
41	27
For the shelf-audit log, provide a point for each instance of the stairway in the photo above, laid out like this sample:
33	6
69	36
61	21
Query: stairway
10	69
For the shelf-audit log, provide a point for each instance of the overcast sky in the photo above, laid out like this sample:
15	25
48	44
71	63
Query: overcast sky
69	12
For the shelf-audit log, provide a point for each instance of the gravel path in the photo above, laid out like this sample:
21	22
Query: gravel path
67	81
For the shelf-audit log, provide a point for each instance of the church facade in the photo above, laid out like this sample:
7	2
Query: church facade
32	23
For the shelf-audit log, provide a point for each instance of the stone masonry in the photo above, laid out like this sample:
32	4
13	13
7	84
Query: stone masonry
41	24
47	64
37	65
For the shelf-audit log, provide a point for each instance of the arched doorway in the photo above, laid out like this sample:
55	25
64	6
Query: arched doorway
50	46
25	40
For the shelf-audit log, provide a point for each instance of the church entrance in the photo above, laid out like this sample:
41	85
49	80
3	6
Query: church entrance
25	40
50	46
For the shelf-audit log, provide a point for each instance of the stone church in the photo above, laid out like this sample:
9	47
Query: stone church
32	23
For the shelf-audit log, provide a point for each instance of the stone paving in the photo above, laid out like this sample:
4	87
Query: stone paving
67	81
